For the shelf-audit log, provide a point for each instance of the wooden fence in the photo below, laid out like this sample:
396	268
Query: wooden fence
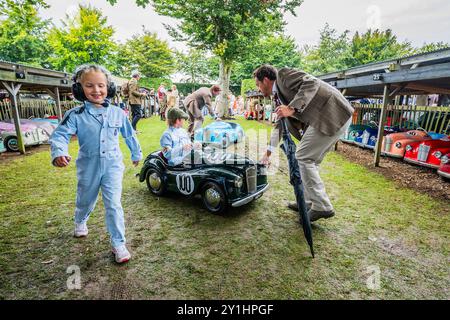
433	119
34	108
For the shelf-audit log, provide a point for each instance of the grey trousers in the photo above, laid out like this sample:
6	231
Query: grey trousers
310	153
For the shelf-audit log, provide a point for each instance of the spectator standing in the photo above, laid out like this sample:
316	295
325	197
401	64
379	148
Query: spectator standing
162	100
176	94
135	99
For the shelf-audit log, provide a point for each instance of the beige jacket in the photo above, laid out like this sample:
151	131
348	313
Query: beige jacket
134	96
171	100
196	100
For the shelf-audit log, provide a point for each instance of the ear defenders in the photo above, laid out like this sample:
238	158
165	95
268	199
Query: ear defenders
78	93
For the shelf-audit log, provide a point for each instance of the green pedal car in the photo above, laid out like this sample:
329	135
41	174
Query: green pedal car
221	179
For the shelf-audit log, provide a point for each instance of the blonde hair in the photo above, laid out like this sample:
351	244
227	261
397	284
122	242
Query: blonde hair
86	68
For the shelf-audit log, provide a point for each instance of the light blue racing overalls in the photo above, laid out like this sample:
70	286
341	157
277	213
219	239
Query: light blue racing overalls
172	142
99	163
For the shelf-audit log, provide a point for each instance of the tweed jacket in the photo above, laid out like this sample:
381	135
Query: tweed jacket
196	100
134	95
316	103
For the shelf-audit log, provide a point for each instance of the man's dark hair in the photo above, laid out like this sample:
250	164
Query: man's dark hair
215	88
265	71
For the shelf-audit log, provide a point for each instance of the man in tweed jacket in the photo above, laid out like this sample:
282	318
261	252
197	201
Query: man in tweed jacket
317	115
195	102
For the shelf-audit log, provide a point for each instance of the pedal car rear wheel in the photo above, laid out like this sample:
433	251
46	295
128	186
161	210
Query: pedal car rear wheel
155	182
214	198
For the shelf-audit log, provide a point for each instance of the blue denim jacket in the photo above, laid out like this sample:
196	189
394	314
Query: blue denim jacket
96	136
172	142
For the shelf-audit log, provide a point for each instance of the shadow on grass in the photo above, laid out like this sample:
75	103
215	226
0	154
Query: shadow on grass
192	203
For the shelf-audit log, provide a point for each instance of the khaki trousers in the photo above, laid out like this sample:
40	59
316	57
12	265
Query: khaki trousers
310	152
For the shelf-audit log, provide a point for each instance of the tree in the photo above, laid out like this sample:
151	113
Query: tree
277	50
86	38
22	32
328	55
145	52
227	28
338	52
376	46
155	82
248	85
433	46
195	66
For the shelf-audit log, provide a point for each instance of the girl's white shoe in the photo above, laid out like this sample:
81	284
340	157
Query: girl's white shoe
121	254
81	230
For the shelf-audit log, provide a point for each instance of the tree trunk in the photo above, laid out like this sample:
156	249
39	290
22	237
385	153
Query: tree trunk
225	74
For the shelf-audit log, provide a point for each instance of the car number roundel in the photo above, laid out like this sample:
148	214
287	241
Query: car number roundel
185	183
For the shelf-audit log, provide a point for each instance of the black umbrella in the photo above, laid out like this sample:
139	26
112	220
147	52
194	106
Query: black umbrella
289	148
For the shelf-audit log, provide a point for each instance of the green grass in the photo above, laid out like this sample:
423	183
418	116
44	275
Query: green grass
255	252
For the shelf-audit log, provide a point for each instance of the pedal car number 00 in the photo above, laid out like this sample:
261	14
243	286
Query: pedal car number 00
185	184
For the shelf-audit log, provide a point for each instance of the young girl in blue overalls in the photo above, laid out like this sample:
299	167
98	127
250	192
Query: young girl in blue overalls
97	124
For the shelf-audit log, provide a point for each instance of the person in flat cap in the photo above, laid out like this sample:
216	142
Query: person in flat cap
176	141
135	98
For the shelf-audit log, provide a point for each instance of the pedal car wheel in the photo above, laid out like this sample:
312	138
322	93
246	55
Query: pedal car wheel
214	199
155	182
11	144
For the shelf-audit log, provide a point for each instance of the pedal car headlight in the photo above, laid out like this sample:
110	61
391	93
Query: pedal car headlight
445	160
27	134
408	148
238	182
398	145
438	154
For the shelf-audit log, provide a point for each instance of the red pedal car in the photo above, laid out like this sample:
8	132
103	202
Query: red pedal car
444	169
427	153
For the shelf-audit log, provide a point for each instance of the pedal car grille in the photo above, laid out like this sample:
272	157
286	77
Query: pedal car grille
365	138
35	135
387	144
251	179
423	153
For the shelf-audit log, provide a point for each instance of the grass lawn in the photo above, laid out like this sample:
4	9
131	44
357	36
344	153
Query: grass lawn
255	252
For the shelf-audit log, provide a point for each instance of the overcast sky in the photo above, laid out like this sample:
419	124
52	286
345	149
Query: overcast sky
417	21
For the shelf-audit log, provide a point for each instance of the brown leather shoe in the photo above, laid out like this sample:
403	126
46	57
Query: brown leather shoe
316	215
293	206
